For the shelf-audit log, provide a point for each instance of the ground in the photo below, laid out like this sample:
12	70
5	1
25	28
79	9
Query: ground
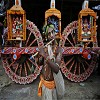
88	90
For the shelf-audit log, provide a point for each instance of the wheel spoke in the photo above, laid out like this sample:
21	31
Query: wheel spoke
12	63
70	42
25	69
73	38
79	68
28	38
86	63
8	58
20	70
75	68
28	66
32	62
71	65
69	61
32	42
16	68
83	66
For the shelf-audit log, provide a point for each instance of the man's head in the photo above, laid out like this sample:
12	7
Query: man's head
49	31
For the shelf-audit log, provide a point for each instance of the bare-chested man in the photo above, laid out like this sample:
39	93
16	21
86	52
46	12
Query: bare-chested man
52	83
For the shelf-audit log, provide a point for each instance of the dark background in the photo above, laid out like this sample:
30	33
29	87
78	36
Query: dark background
35	10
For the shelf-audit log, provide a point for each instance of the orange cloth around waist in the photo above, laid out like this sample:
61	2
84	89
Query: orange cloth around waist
48	84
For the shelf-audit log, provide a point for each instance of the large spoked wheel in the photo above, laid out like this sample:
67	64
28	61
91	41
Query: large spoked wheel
25	69
75	66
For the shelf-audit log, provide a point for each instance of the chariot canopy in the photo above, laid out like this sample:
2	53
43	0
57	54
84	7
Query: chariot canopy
53	16
87	24
16	22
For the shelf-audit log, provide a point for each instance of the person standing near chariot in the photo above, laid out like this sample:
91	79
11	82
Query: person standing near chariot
1	37
51	86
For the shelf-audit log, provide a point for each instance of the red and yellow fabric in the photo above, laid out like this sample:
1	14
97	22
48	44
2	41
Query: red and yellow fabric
48	84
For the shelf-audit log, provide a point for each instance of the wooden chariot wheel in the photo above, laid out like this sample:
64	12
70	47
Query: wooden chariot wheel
20	63
78	63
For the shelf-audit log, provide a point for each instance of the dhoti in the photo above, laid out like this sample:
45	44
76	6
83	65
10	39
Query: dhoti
47	90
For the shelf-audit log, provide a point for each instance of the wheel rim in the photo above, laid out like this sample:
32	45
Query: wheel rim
75	67
25	69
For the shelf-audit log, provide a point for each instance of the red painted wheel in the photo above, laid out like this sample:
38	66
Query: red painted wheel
23	69
78	64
